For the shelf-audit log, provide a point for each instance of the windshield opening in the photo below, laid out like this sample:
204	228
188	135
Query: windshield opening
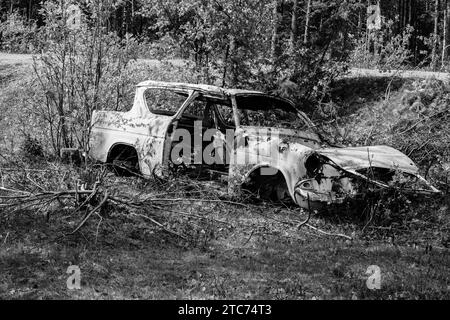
265	111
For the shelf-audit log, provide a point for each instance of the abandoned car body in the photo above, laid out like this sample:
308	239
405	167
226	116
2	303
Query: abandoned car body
255	140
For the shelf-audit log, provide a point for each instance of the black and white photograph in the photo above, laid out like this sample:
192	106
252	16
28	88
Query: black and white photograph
244	151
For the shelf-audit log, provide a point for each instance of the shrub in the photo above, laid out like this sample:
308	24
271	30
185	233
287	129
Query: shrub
415	120
18	35
385	50
80	71
31	148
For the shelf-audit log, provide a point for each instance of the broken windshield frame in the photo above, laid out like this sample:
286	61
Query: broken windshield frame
258	110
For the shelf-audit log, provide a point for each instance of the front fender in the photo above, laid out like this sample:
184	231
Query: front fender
289	159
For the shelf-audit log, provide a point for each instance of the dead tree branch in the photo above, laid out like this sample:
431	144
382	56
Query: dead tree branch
87	216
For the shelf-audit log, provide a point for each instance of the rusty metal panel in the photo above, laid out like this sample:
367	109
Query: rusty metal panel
365	157
283	150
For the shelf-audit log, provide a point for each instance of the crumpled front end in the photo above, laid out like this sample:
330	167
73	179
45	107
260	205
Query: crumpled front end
335	175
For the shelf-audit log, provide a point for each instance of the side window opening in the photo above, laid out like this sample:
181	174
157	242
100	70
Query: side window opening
267	112
195	110
194	113
201	117
225	114
164	101
208	112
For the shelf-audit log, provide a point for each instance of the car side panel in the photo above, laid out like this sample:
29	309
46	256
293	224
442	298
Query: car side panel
266	151
146	133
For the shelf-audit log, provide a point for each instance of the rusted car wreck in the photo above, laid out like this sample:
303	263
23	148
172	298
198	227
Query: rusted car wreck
254	140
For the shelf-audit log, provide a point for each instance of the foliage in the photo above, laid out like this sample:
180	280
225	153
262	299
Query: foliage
303	77
197	29
385	51
411	116
230	44
79	72
31	148
18	35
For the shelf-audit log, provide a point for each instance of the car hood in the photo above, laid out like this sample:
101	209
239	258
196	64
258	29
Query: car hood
352	159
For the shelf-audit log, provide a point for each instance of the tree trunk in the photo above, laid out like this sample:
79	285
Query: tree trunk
293	39
445	36
274	43
125	19
360	15
234	67
410	12
133	24
367	57
415	34
225	65
405	13
308	11
29	10
447	30
435	35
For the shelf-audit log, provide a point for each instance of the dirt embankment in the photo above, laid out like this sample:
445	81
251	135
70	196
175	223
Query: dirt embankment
405	74
11	58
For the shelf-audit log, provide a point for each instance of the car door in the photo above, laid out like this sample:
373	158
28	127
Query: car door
159	119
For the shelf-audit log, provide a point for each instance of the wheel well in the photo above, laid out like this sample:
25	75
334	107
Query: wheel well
122	151
268	182
124	160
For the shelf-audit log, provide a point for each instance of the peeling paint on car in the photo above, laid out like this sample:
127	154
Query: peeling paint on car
312	173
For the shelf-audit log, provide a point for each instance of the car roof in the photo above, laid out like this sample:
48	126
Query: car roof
209	90
182	86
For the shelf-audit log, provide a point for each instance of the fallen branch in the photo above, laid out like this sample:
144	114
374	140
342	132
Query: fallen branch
309	215
152	199
6	238
140	204
192	215
327	233
159	225
87	216
12	190
422	120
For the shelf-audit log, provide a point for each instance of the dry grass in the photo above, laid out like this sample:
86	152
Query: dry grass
252	250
